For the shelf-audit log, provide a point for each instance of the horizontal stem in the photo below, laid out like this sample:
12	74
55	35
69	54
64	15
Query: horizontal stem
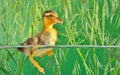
59	46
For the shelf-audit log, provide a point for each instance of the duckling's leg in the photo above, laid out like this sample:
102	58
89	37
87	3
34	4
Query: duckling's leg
36	64
49	53
42	52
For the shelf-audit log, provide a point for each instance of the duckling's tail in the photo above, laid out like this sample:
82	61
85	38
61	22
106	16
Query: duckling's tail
21	48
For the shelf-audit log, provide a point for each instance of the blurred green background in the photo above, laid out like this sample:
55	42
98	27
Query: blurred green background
85	22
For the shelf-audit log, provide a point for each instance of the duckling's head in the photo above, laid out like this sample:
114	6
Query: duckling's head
50	18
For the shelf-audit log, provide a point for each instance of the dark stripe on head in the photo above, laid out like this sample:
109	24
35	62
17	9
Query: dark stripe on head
48	11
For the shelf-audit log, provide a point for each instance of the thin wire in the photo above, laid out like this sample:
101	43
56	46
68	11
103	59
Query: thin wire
60	46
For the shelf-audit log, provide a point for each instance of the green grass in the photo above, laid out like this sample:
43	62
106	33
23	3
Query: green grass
93	22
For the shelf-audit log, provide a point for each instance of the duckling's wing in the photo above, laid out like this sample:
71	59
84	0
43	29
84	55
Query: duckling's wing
31	41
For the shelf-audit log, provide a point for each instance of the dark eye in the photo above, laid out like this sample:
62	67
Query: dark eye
50	15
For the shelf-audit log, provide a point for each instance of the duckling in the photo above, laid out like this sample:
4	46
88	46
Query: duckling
48	36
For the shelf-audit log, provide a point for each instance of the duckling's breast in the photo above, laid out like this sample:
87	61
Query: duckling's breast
49	37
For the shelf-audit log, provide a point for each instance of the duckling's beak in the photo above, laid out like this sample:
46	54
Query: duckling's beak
57	20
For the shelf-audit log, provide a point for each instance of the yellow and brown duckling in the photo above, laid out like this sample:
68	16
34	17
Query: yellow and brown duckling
48	36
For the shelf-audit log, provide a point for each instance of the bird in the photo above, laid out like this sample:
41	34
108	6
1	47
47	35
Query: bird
48	36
